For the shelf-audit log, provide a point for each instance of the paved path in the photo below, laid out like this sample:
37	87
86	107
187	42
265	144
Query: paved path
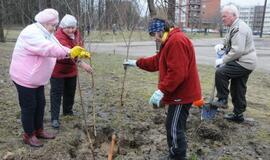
204	50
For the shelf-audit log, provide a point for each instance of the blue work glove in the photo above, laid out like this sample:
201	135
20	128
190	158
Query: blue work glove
218	47
129	63
220	52
219	62
156	98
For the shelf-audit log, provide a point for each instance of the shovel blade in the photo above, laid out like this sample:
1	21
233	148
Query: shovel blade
208	112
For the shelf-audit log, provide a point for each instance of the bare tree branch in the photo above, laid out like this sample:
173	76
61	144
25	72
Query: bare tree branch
152	8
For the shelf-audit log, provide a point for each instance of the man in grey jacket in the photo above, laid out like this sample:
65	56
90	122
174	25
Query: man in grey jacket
236	65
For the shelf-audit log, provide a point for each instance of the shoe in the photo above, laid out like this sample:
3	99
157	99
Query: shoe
40	133
169	157
32	140
70	113
220	103
55	124
238	118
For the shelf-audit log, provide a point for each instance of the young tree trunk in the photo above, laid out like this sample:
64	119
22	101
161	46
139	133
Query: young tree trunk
49	3
2	37
152	8
171	10
43	4
100	12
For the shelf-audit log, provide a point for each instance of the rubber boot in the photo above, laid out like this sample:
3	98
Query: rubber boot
32	140
40	133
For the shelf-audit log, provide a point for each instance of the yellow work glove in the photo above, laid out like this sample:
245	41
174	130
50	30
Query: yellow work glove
76	51
84	54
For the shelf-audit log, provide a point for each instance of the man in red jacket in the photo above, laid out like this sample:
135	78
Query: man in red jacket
178	83
64	76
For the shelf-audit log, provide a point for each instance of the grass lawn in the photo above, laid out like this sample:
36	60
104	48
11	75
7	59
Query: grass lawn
139	137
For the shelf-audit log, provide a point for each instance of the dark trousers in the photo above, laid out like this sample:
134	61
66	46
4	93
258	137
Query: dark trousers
175	125
238	76
32	103
62	87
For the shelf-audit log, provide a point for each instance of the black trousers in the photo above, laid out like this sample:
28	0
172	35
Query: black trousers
32	103
175	125
238	76
62	87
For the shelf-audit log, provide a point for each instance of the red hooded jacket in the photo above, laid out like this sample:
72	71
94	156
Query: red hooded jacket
176	63
66	67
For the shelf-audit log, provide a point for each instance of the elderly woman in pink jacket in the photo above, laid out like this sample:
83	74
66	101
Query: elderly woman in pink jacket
32	63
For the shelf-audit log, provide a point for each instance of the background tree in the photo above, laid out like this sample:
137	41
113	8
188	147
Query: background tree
42	4
152	8
171	10
98	14
2	37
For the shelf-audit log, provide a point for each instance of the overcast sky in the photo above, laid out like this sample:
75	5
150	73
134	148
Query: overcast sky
244	2
143	3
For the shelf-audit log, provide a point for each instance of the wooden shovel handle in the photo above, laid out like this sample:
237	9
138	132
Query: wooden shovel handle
110	155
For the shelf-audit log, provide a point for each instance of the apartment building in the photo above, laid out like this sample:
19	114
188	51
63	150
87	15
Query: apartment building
206	14
198	13
253	16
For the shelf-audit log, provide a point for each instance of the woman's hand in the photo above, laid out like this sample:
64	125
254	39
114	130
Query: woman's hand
86	67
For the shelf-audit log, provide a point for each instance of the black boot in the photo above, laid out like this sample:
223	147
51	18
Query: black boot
238	118
220	103
166	157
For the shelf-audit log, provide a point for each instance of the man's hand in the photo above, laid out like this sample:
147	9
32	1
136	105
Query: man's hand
219	62
156	98
220	54
218	47
129	62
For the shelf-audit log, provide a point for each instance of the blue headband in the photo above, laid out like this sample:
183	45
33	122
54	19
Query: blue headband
156	25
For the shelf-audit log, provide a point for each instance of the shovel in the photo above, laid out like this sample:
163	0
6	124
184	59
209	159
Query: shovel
208	111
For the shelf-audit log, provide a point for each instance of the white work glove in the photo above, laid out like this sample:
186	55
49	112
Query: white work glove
156	98
130	63
218	47
219	62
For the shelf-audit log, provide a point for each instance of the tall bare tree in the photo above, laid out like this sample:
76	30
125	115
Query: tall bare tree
2	37
100	12
42	4
171	10
152	8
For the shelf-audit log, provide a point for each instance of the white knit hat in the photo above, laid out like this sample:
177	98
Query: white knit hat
48	15
68	21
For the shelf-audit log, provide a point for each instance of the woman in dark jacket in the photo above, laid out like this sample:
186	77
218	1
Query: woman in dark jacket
64	76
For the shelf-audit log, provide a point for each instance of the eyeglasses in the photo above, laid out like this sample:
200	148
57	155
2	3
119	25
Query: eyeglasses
152	34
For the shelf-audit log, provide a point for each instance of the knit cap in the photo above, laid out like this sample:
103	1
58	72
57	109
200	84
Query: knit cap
68	21
48	15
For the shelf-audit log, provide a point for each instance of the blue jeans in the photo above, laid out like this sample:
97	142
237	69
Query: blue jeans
32	104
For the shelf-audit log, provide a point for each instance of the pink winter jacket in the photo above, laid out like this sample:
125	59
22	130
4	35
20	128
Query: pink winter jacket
34	56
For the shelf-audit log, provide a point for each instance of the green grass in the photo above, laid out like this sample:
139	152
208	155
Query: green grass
11	34
108	36
263	135
195	35
108	76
